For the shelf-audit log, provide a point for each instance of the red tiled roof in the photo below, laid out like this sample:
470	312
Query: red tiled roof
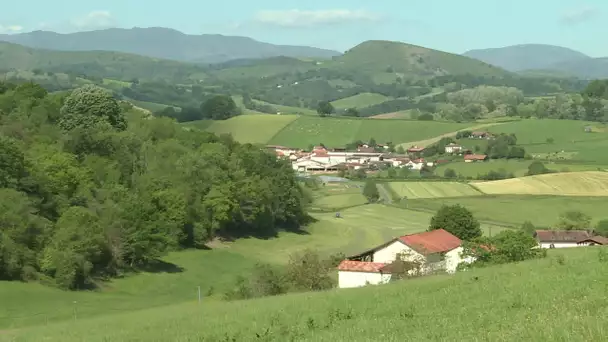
280	154
415	149
561	235
419	160
475	157
435	241
360	266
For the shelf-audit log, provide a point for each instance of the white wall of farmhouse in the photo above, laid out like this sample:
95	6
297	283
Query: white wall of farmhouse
389	253
562	244
349	279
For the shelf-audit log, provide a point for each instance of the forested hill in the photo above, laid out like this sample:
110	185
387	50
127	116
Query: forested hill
91	188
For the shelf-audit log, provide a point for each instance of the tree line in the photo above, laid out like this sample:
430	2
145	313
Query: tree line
92	188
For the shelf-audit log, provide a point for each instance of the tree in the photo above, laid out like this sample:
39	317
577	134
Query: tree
88	106
220	107
528	228
449	173
352	112
574	220
601	228
325	108
370	191
537	168
457	220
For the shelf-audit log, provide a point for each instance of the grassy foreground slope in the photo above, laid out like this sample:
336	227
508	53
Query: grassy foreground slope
559	298
590	183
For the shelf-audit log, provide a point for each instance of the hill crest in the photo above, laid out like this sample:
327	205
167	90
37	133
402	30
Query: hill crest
165	43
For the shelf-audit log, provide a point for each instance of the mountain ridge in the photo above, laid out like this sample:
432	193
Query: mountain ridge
165	43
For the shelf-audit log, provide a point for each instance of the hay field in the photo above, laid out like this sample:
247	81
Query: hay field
590	183
254	128
415	190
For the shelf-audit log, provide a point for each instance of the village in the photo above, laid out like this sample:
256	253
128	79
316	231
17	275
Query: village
331	160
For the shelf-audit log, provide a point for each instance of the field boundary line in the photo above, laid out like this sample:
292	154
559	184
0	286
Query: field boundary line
284	127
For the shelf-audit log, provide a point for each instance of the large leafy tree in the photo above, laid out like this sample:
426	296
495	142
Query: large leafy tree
220	107
457	220
90	105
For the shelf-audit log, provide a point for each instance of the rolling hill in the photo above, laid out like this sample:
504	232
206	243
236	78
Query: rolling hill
165	43
103	64
543	60
527	56
390	57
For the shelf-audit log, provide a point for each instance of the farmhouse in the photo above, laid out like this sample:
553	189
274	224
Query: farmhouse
468	158
593	241
437	250
563	238
452	148
481	135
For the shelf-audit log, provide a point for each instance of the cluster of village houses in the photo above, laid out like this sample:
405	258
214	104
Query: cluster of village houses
327	160
436	250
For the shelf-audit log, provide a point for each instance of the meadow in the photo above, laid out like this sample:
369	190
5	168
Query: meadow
413	190
336	132
513	210
590	183
177	278
489	304
252	128
517	167
551	139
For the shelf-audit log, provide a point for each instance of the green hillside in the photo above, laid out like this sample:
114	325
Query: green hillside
103	64
411	61
498	304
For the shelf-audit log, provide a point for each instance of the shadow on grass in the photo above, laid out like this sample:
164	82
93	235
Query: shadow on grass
244	232
160	266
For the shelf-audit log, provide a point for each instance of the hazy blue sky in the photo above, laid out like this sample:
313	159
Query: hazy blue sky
448	25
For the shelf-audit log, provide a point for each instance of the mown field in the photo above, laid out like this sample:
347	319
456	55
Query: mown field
543	211
590	183
517	167
502	303
554	139
307	130
415	190
252	128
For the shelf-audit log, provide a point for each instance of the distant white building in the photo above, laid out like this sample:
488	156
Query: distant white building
434	250
563	238
453	148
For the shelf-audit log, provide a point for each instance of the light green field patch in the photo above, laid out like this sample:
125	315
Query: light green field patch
336	132
340	201
591	183
432	189
252	128
360	101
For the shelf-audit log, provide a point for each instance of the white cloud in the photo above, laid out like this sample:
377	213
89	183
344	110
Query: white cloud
10	28
94	20
578	15
304	18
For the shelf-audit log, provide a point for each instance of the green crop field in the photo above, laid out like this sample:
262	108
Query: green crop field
334	132
289	110
516	209
360	101
590	183
511	302
252	128
432	189
517	167
559	138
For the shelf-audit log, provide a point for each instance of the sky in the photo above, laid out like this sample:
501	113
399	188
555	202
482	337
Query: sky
447	25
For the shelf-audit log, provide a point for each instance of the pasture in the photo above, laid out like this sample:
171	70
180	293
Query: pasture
252	128
336	132
590	183
413	190
542	211
360	101
517	167
510	302
434	139
548	138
